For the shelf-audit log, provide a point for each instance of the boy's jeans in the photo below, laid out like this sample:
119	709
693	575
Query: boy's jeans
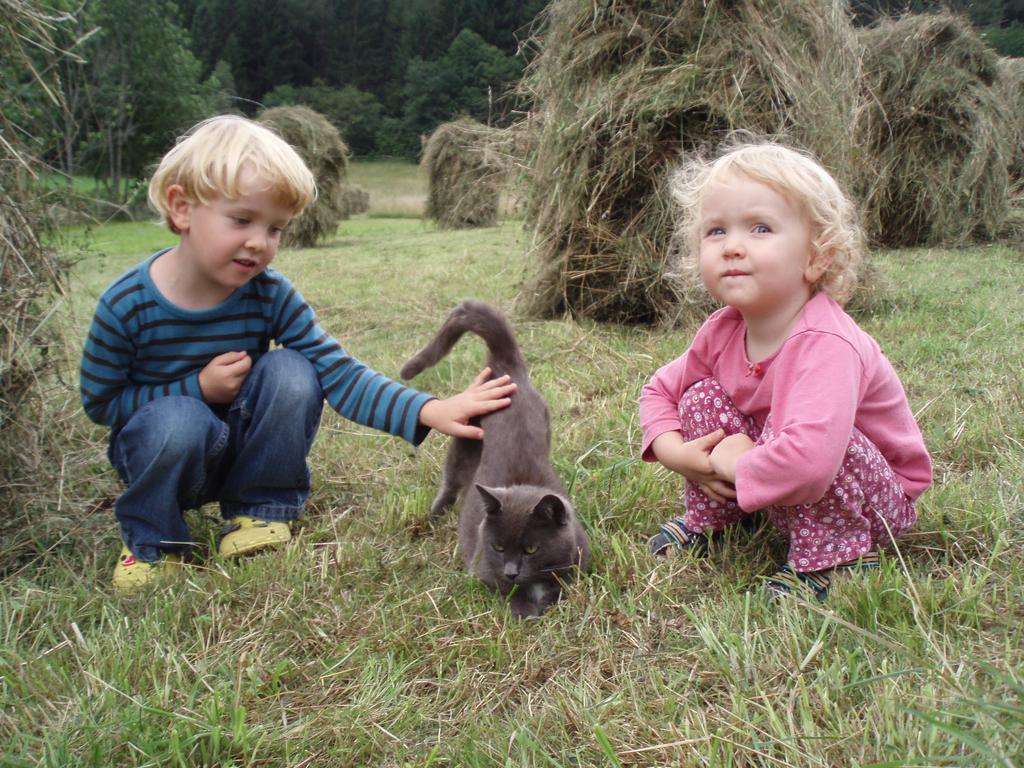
178	453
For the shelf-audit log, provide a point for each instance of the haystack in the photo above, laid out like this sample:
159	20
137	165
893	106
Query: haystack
30	272
465	175
318	142
356	200
936	130
622	89
1011	87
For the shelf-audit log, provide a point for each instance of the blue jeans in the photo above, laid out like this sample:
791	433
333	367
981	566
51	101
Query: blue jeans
178	453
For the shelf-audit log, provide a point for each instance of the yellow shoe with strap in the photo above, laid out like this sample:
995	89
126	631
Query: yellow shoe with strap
243	535
131	574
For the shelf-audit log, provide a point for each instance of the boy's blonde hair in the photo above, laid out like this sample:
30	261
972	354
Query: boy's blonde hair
800	179
207	162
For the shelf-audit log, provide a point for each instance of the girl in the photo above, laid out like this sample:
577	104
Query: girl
782	402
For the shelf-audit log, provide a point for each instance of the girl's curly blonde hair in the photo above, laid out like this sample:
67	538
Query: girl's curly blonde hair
797	176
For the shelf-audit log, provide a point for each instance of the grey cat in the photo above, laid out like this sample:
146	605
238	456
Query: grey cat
518	531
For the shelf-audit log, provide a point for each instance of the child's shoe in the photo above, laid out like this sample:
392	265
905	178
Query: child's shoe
243	535
674	537
131	574
785	580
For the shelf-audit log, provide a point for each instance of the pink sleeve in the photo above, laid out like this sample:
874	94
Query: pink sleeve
815	394
659	399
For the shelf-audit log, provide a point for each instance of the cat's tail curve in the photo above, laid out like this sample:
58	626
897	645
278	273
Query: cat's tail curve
476	317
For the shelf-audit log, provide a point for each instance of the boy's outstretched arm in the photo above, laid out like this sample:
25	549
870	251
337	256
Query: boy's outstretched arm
451	416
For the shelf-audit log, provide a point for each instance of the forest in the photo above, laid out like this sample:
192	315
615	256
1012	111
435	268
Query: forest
136	73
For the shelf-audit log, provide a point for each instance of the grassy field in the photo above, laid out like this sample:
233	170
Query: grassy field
397	189
365	643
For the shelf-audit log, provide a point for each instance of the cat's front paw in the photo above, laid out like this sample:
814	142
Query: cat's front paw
522	608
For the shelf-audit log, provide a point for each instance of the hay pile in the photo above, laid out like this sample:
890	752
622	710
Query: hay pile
621	89
316	139
466	172
356	200
1011	87
30	272
936	130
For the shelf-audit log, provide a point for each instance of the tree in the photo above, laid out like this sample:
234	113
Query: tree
142	86
355	113
468	79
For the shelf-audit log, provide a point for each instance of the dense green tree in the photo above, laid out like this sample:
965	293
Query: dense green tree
466	80
984	13
379	47
1008	40
142	87
355	113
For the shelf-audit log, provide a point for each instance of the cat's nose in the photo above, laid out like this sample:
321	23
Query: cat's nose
511	570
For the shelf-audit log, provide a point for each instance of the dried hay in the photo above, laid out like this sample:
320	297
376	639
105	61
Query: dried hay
318	142
621	89
936	131
30	272
1011	88
356	200
465	174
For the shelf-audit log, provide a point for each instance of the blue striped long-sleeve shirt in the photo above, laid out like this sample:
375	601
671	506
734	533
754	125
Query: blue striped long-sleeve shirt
141	347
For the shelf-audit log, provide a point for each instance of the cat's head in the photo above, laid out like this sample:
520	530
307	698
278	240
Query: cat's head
528	533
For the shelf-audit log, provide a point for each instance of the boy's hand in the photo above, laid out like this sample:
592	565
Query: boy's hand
222	377
724	456
692	460
484	395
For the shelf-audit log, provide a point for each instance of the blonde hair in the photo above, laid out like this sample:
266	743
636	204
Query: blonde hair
207	161
797	176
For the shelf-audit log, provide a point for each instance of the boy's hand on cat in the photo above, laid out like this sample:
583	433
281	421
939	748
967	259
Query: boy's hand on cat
692	460
451	416
725	455
222	377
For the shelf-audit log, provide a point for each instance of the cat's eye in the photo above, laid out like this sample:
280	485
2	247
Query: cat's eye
498	547
530	549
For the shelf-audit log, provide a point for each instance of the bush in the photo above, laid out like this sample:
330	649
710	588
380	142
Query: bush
355	113
1009	41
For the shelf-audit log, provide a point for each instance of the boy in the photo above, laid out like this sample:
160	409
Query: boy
177	360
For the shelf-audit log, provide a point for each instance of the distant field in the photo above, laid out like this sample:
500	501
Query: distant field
397	188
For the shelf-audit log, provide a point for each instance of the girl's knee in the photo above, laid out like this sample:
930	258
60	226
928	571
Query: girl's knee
705	407
706	386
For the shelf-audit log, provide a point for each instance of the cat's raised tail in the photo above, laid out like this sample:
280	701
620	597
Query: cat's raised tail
485	321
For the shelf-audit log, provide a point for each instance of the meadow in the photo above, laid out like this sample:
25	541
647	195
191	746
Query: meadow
363	642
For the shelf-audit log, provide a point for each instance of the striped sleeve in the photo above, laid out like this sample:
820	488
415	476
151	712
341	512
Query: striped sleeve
108	395
352	389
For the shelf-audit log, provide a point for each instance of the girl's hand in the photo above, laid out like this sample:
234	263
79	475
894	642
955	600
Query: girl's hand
691	459
484	395
725	455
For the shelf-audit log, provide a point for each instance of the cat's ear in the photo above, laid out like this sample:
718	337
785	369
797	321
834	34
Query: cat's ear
492	505
551	509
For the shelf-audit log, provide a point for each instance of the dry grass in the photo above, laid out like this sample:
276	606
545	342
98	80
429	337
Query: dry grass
938	132
621	89
465	175
320	145
31	271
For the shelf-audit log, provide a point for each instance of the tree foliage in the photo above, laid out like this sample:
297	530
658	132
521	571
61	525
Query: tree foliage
396	51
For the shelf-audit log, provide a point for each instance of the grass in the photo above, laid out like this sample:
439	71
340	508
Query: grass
365	643
397	188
